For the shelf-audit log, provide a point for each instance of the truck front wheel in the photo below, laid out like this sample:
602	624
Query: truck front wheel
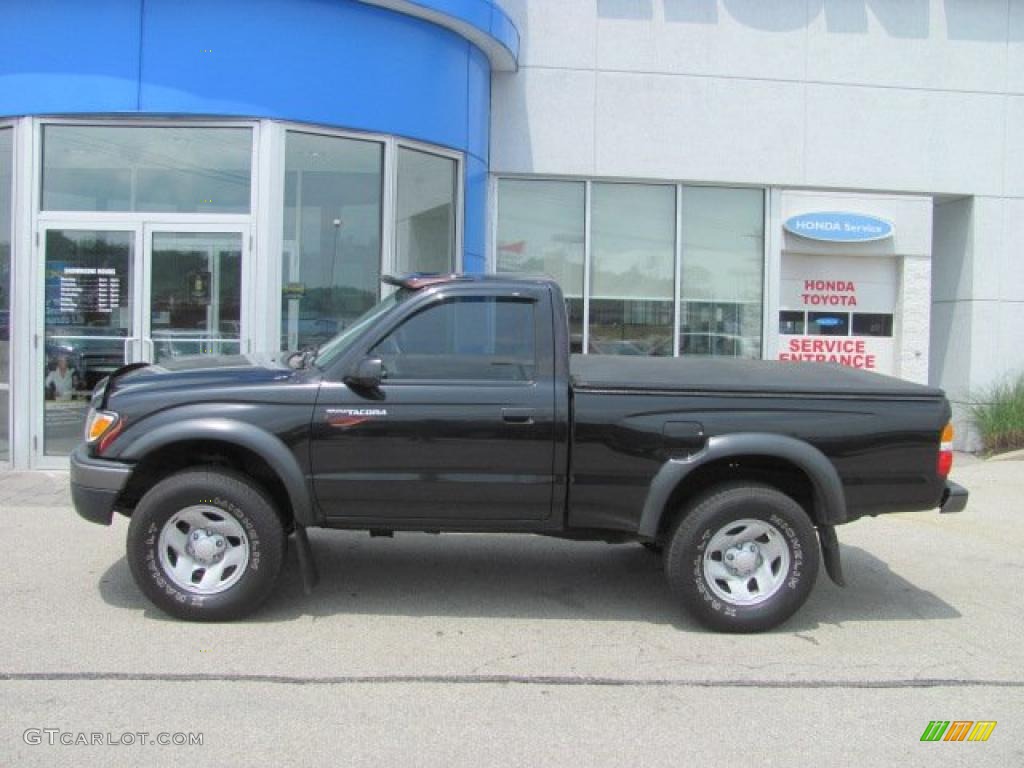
742	558
206	545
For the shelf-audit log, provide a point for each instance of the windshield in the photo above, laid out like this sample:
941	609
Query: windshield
336	347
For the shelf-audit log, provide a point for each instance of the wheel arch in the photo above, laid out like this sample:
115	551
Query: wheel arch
244	447
792	466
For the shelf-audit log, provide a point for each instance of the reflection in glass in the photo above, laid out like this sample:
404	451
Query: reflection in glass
574	309
632	269
791	323
142	168
872	325
722	272
541	232
425	220
195	301
332	235
88	312
828	324
6	163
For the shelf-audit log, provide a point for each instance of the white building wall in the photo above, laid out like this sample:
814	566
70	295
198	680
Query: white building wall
911	96
910	246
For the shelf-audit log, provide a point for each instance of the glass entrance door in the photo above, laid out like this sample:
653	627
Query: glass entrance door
118	294
195	294
91	281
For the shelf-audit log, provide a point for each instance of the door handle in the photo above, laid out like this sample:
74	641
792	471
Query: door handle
517	415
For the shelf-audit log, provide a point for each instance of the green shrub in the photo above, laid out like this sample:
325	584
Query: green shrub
999	415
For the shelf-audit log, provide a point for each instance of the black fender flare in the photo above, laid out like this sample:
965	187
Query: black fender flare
245	435
829	500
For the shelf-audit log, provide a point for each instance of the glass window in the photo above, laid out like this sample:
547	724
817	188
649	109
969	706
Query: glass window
332	235
722	272
88	311
791	323
541	232
6	180
196	299
632	269
478	338
140	168
872	325
541	228
425	221
828	324
341	343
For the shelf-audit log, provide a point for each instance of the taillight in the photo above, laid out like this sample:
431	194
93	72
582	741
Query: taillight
945	463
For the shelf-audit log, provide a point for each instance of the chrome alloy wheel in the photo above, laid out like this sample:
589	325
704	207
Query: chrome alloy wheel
746	562
203	550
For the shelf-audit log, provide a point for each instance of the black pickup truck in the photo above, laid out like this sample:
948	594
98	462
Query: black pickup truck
454	405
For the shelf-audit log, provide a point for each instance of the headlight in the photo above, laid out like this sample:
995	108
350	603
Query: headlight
98	424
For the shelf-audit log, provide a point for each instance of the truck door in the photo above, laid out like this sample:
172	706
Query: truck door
461	429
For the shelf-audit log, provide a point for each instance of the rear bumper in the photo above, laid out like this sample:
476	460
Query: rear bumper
954	498
95	485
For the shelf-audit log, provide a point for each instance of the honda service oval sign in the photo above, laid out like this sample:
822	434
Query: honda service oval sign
839	227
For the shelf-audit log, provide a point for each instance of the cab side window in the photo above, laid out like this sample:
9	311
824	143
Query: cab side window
478	338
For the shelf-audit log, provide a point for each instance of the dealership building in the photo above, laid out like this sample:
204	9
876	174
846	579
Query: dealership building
797	180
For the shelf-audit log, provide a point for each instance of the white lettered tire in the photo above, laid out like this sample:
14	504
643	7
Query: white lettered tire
742	558
206	545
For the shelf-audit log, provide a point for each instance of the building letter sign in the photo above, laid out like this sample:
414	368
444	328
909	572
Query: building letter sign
839	227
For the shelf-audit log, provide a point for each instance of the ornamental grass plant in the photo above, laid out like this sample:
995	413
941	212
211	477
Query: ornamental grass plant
998	414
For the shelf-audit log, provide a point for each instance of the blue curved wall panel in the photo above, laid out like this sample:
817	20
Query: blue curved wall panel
343	63
482	21
60	56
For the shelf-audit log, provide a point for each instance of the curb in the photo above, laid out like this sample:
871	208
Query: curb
1017	455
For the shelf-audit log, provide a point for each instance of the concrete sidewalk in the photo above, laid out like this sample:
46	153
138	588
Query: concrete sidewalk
470	650
38	488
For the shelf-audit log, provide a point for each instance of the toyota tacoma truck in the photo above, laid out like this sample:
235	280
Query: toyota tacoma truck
455	405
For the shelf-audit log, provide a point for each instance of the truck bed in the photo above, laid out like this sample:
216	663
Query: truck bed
703	374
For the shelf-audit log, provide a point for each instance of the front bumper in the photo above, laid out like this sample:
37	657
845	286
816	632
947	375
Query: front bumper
954	498
95	485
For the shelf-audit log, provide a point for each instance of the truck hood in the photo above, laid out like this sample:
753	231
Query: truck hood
186	375
695	374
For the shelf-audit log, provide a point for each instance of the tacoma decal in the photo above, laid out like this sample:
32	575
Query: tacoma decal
344	418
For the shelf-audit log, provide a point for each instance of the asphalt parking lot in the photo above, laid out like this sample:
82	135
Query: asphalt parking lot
515	650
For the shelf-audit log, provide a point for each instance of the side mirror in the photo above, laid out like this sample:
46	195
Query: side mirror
368	374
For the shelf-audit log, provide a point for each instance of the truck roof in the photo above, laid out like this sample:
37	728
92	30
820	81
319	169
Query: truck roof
416	281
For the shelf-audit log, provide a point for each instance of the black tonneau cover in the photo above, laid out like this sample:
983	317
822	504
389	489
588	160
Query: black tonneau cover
708	374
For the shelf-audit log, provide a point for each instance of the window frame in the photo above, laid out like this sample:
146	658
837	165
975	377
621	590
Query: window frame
58	214
272	179
768	302
266	210
891	325
13	303
277	226
452	298
457	197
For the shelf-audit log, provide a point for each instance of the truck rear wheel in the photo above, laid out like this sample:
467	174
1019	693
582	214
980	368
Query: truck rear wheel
743	558
206	545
